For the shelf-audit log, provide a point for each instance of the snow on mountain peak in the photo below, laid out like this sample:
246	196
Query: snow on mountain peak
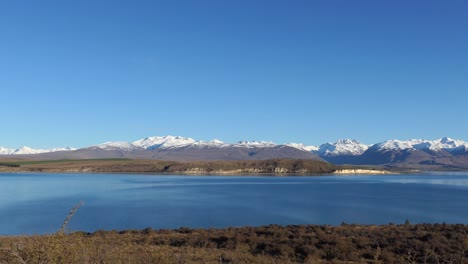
28	151
348	142
209	144
302	147
340	147
253	144
445	143
343	147
446	140
395	144
167	142
6	151
160	142
163	142
119	145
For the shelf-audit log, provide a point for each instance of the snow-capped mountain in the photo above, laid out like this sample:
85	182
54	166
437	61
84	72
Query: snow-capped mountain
348	147
163	142
175	142
443	153
415	153
30	151
119	145
446	143
303	147
171	142
343	147
215	143
255	144
6	151
176	148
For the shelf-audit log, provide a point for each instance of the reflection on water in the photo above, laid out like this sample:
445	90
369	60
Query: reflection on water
451	178
37	203
453	182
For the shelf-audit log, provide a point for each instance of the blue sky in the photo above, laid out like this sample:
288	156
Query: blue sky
77	73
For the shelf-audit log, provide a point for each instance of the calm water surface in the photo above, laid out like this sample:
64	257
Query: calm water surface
38	203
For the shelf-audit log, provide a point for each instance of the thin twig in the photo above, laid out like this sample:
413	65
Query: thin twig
69	216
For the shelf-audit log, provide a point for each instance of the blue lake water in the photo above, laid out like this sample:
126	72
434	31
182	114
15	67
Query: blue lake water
38	203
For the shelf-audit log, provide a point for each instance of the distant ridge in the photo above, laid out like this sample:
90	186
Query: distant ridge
443	153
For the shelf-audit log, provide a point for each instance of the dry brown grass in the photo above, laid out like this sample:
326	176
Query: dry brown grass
423	243
76	248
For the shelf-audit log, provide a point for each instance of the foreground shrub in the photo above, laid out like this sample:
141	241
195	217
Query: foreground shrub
423	243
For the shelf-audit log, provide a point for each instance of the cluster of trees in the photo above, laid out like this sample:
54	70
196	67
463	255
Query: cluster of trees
7	164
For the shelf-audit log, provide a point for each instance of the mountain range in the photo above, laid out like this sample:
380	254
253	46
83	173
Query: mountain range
443	153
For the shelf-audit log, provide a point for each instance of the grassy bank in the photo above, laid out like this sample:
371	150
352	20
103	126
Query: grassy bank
167	167
424	243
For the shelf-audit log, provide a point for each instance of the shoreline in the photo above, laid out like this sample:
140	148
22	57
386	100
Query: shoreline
343	173
273	167
233	227
363	172
339	173
243	167
226	174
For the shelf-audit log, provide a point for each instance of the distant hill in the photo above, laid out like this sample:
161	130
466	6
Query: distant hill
270	166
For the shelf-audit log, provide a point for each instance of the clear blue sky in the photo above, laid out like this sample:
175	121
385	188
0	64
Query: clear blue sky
76	73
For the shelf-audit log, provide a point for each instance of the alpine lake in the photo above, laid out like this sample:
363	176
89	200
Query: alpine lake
38	203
